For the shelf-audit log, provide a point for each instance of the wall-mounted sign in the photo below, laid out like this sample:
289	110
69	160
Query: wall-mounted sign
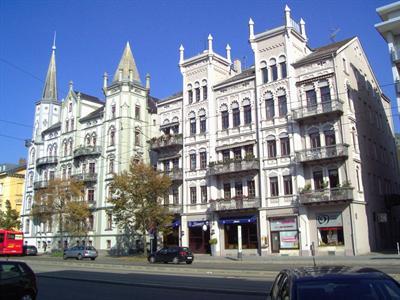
283	224
329	220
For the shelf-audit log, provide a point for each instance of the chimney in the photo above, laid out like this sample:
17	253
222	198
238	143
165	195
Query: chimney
237	66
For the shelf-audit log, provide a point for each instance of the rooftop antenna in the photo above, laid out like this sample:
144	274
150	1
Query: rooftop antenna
333	34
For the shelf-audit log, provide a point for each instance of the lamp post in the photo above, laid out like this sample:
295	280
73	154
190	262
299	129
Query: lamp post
239	242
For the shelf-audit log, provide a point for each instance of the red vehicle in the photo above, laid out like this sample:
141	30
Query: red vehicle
11	242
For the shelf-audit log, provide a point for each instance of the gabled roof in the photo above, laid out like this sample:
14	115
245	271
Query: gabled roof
248	73
126	64
52	128
173	96
94	114
89	97
323	51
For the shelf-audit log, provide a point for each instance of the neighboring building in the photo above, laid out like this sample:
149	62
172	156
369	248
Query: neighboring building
89	139
298	149
12	185
390	31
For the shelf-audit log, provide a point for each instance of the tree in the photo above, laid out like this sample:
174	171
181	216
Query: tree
10	218
62	201
137	200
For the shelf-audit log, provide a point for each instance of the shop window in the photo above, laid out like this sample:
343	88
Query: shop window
285	233
330	229
249	236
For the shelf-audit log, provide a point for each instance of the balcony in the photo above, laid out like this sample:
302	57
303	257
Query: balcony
174	208
87	151
86	177
326	196
319	109
235	204
322	153
235	166
166	141
46	160
42	184
175	174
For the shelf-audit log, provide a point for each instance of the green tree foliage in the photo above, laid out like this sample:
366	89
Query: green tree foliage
62	204
9	219
137	200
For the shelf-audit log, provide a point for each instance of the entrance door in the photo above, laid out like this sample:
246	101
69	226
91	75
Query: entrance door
199	240
275	242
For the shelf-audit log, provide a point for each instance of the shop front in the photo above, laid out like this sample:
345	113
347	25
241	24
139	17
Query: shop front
229	234
284	235
330	232
199	236
172	238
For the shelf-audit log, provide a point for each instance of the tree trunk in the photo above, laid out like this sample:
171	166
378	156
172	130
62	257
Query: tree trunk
144	242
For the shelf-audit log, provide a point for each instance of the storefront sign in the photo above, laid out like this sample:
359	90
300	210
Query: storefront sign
197	223
329	220
289	239
283	224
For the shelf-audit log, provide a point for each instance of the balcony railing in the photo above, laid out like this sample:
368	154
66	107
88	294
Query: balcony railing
326	195
175	174
233	166
87	150
174	208
234	204
322	153
165	141
46	160
320	108
86	177
42	184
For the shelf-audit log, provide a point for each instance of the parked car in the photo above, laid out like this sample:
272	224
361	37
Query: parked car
29	250
335	282
17	281
80	252
172	254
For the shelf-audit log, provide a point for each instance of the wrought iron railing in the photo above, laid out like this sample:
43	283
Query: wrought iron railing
87	177
318	109
235	203
166	141
233	166
326	195
327	152
87	150
46	160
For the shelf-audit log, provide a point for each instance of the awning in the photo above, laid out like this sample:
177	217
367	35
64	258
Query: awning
241	220
230	146
197	223
176	223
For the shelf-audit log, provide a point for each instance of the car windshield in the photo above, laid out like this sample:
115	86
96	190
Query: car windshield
344	289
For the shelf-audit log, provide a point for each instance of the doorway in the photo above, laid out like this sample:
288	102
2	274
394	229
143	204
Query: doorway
275	242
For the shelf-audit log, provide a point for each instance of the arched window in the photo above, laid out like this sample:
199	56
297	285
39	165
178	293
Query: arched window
274	69
113	109
197	91
137	137
66	125
30	178
94	139
269	106
235	114
88	140
329	133
246	111
282	103
190	93
65	148
349	99
50	150
111	165
55	149
224	116
72	124
315	141
202	117
205	91
264	72
282	65
192	123
29	202
70	147
111	134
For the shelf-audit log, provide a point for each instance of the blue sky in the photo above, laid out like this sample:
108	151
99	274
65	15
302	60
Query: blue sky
91	36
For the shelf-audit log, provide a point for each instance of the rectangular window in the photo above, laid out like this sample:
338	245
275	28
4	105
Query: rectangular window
225	119
192	126
273	185
274	70
193	199
249	150
137	138
227	190
251	189
325	94
175	163
271	149
109	221
237	153
203	190
203	124
197	91
247	114
113	111
92	168
203	160
238	189
166	166
270	110
283	69
236	117
315	140
137	112
285	146
190	96
204	92
311	98
91	222
264	72
318	180
287	185
333	178
175	195
192	162
90	195
225	155
282	103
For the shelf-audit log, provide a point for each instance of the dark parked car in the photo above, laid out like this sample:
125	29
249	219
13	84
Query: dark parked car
334	283
29	250
80	252
172	254
17	281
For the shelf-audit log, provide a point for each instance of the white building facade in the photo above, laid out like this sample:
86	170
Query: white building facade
297	150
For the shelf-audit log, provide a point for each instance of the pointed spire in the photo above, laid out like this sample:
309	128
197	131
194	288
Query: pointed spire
303	28
50	86
287	16
181	54
127	67
251	28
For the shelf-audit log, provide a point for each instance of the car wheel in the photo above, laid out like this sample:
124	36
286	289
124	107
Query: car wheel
79	257
27	297
152	260
175	261
92	258
189	262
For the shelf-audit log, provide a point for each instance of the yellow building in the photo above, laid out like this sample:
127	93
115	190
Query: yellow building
12	179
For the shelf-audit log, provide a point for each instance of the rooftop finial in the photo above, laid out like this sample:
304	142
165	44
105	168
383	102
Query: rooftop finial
303	28
287	16
251	28
181	51
228	52
210	40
